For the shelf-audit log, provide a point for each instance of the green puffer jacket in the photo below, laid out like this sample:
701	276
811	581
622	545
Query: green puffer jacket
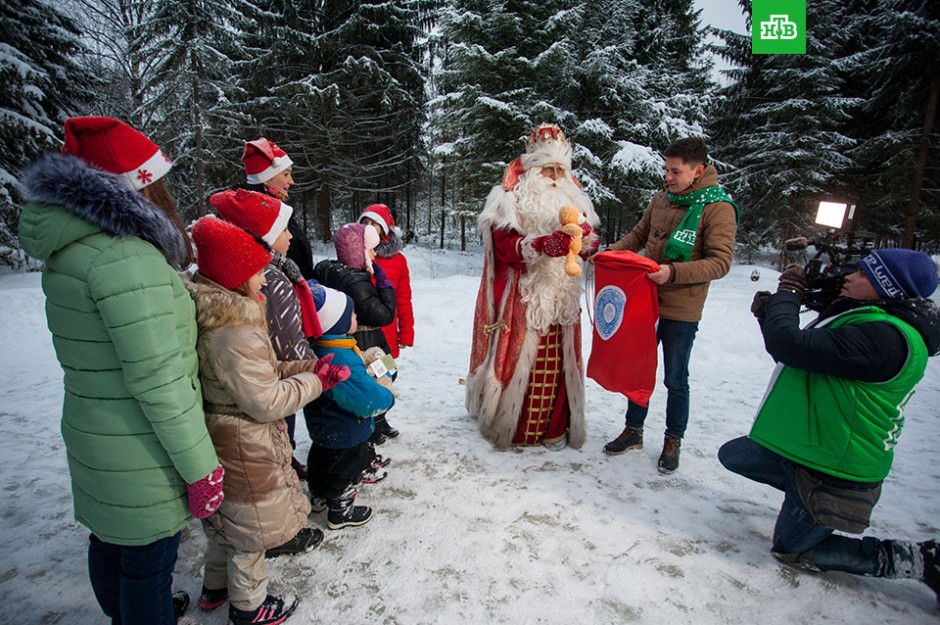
124	331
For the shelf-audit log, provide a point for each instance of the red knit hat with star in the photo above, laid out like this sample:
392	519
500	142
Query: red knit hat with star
382	215
263	160
115	147
226	254
259	213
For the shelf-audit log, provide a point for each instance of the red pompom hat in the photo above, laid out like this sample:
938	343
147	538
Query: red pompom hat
226	254
382	215
263	160
259	213
115	147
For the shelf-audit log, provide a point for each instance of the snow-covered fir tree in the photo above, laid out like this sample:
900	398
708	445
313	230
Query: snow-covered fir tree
41	85
782	125
191	95
340	86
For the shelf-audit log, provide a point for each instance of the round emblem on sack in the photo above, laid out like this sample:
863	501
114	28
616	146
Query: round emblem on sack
608	310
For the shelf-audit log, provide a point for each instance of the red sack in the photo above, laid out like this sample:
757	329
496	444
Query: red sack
626	309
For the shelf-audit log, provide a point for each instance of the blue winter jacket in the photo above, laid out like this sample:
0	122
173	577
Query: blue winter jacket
342	417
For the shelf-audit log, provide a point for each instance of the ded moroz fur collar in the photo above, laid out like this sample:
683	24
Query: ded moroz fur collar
104	200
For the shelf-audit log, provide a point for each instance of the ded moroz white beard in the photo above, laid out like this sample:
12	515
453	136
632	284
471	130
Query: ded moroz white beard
551	296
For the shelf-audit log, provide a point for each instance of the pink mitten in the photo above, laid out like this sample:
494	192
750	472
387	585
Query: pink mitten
205	496
330	375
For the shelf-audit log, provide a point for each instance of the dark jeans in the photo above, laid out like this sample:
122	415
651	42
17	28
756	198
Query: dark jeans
676	338
797	532
331	471
133	584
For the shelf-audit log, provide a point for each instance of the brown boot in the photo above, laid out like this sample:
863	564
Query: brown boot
630	438
669	459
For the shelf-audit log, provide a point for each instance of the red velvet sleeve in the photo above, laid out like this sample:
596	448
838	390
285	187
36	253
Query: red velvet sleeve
507	248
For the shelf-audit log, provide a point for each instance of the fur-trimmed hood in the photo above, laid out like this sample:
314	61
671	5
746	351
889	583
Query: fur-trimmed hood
390	245
101	200
218	307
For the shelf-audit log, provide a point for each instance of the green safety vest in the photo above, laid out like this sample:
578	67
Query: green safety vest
840	426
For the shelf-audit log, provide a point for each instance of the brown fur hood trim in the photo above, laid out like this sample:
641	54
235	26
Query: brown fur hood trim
218	307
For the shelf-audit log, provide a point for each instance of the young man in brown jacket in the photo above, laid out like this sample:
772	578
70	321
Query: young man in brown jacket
688	228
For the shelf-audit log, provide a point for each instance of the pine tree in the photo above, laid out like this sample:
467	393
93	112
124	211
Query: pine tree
41	85
191	95
339	85
782	125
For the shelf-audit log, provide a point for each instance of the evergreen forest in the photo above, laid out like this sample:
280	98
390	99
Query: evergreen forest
421	104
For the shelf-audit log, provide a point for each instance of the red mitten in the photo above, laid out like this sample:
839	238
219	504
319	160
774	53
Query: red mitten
330	375
554	244
586	229
205	496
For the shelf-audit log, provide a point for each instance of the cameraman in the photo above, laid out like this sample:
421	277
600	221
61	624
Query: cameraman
826	429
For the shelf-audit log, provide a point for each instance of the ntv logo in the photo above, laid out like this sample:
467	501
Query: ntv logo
778	27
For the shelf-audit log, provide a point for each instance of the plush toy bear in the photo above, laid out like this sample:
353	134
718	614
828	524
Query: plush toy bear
371	355
571	220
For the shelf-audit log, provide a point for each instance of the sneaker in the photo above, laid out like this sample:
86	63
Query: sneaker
305	540
380	461
299	468
373	475
348	517
211	599
317	504
930	551
556	445
272	611
630	438
669	459
180	603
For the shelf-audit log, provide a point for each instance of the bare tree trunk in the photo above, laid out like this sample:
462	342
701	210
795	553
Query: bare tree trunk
913	207
198	140
324	206
442	227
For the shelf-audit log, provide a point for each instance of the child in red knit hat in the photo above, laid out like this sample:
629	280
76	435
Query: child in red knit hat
292	316
246	394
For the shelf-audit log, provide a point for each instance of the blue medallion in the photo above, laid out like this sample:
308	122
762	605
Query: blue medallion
608	311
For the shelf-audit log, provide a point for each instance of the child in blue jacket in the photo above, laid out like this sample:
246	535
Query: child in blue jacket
340	421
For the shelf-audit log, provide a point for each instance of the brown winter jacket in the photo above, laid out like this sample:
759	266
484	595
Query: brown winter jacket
247	394
682	298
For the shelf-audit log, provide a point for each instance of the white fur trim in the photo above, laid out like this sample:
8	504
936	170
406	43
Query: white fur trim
278	165
549	152
279	225
148	172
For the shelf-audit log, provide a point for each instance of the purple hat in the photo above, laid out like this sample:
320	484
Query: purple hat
900	273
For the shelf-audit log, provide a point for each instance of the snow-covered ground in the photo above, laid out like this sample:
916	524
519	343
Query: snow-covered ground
465	534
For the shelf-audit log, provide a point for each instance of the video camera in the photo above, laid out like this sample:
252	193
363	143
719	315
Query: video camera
836	256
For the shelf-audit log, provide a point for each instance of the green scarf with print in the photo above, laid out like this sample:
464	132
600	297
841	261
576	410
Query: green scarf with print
680	244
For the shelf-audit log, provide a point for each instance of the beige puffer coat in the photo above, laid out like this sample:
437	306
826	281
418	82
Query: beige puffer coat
247	393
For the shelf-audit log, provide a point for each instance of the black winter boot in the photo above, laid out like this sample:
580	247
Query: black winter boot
930	551
180	603
344	514
305	540
630	438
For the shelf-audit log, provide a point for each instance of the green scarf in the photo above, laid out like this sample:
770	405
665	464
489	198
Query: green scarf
680	244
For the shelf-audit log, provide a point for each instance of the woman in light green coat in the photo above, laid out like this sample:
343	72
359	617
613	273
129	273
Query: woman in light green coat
123	325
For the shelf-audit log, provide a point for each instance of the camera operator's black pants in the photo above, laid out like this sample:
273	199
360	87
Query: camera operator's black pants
796	532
